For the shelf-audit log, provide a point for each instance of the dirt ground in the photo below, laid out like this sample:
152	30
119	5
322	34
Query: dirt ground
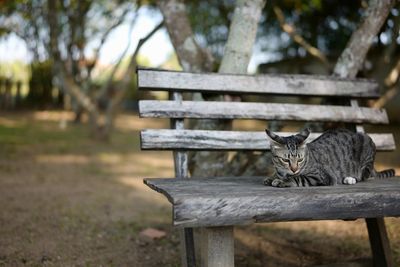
67	200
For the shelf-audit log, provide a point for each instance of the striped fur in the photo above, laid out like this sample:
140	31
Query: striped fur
328	160
384	173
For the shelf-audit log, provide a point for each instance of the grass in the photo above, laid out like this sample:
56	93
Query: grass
69	200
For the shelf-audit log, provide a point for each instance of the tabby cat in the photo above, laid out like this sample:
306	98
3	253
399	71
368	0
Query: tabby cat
336	157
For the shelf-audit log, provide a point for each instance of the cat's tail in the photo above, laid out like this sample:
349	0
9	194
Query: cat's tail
384	174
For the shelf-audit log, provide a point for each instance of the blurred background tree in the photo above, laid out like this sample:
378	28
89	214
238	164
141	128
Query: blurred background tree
58	34
294	36
324	25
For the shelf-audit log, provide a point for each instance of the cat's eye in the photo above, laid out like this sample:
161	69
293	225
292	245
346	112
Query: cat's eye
300	159
284	160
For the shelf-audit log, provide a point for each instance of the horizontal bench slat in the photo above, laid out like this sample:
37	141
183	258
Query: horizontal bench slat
263	111
166	139
245	200
261	84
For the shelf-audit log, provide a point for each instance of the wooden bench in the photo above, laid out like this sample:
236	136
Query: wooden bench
218	203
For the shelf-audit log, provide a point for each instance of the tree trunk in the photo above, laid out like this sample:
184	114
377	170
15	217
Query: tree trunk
352	58
66	77
236	58
191	56
242	34
7	94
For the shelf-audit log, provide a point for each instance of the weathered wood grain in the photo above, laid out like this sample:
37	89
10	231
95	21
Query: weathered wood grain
165	139
244	200
260	84
217	247
262	111
180	157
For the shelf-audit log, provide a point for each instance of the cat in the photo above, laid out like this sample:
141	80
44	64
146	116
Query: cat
338	156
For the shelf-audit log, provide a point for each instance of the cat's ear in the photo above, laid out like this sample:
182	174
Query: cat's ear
275	137
303	135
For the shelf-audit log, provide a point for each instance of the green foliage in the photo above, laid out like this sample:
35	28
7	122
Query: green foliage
326	25
210	21
16	70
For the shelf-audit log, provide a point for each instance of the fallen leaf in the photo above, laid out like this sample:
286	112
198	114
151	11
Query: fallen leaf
150	234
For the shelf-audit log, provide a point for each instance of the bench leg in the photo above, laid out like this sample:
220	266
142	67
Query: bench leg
217	247
379	241
187	248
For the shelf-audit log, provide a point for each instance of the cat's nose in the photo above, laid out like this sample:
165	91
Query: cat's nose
294	168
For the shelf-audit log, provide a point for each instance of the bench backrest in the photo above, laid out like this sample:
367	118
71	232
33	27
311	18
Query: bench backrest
179	139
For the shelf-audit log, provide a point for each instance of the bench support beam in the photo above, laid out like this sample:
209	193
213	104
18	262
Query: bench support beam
181	171
188	258
217	247
379	241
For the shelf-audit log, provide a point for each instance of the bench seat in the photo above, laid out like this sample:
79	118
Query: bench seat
245	200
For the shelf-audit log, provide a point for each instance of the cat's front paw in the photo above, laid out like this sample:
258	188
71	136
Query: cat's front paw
279	183
349	180
268	181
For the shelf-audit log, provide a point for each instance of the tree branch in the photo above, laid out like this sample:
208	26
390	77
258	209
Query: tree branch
391	82
353	56
132	64
115	101
191	56
105	87
291	30
105	37
387	96
393	75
